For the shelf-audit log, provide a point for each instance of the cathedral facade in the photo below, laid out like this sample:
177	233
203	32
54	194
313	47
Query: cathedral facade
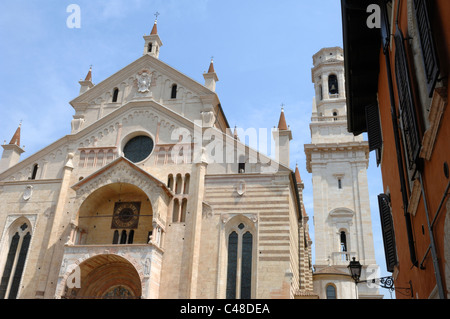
152	196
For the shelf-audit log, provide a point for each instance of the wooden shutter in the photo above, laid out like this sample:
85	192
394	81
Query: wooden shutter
406	103
387	228
429	55
373	127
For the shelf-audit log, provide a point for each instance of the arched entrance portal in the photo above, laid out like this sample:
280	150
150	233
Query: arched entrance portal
117	213
107	277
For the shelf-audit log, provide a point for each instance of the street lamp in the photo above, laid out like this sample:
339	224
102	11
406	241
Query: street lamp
383	282
355	270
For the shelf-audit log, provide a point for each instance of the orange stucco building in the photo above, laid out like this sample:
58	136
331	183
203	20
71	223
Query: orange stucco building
397	56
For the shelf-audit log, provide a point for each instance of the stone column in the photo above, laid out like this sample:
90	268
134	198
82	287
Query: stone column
193	232
50	263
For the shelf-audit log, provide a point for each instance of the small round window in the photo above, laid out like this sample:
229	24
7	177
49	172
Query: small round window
138	148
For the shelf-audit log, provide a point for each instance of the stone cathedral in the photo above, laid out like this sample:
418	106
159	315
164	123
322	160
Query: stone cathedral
152	195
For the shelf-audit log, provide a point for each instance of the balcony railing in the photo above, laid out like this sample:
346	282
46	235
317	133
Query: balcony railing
342	257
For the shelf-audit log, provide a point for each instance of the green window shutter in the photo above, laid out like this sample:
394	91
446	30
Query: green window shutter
408	115
427	45
387	228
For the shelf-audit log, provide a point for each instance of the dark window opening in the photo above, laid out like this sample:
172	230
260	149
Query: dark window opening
340	183
246	268
115	95
333	84
15	263
331	292
150	47
34	173
232	265
343	241
173	94
123	237
116	237
131	237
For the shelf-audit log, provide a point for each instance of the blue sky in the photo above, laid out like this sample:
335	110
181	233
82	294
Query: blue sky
262	54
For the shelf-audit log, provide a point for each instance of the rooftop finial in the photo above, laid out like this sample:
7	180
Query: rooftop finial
155	30
211	66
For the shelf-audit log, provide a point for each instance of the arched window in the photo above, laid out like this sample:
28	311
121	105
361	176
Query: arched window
320	93
331	291
34	172
239	265
19	244
116	237
176	210
339	183
115	95
170	182
178	185
343	238
335	114
333	84
173	93
123	237
241	165
183	210
131	236
186	183
150	46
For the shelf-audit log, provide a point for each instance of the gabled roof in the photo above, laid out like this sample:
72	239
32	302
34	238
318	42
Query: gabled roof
115	163
131	69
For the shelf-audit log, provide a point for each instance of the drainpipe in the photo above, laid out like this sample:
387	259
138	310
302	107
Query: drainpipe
401	171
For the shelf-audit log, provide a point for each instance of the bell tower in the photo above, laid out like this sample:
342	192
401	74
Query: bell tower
152	41
338	162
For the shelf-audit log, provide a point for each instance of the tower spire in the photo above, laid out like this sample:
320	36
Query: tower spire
152	41
16	137
211	77
87	83
11	151
89	75
282	122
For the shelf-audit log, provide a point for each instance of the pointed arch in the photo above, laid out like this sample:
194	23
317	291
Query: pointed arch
240	260
17	242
